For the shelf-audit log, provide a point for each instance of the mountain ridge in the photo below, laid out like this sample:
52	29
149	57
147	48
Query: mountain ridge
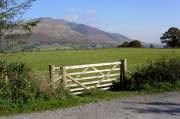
58	30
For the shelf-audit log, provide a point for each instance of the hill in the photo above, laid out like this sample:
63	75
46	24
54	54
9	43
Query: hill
53	34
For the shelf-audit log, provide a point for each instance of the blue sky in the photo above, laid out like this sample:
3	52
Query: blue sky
143	20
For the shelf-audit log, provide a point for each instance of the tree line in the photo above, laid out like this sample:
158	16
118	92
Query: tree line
133	44
171	39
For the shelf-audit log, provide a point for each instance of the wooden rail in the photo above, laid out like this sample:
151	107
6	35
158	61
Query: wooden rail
79	78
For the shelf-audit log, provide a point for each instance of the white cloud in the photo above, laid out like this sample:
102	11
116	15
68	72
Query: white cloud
72	18
72	15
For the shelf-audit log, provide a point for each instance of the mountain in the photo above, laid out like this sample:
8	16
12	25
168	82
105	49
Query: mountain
98	36
55	34
51	31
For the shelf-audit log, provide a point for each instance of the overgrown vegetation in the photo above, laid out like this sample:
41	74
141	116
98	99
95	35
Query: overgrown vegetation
20	90
163	74
16	86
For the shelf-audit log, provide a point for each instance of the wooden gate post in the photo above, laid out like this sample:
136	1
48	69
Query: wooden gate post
52	74
63	74
123	68
6	77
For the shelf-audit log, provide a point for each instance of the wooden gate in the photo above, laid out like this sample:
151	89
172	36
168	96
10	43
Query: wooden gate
79	78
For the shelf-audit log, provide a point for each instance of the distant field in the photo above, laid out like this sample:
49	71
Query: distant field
135	57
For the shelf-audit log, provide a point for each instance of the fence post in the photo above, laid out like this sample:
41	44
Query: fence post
6	77
123	68
52	74
63	74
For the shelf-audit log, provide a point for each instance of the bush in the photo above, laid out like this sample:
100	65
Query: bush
18	83
132	44
15	83
18	87
21	88
163	70
135	44
124	45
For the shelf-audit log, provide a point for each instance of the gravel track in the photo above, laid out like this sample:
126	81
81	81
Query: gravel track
156	106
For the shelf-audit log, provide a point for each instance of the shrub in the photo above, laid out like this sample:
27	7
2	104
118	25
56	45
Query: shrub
15	83
20	87
135	44
132	44
125	44
163	70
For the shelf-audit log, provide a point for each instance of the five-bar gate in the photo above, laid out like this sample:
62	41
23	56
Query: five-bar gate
79	78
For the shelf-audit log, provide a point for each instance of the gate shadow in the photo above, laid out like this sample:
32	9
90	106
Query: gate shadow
156	108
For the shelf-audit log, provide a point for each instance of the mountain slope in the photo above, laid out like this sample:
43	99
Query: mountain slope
98	36
50	30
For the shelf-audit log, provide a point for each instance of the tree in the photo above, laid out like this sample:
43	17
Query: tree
151	46
125	44
11	12
135	44
171	37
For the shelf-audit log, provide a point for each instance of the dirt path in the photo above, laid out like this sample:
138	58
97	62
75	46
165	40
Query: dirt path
157	106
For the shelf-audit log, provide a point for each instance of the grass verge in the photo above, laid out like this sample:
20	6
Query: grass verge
38	105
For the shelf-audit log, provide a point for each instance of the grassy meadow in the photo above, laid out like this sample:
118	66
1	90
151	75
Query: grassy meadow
135	57
39	61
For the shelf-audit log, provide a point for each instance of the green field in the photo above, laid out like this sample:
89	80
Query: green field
135	57
39	61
